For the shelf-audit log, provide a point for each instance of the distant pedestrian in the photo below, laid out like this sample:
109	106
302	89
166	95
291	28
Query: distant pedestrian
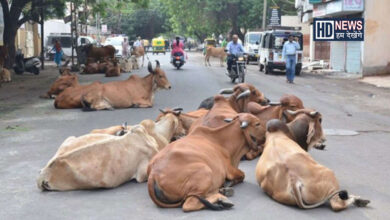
289	55
58	55
125	48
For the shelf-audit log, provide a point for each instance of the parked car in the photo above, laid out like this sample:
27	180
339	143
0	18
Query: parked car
66	44
251	45
270	50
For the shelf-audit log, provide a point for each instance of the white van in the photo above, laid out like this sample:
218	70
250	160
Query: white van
251	45
66	43
117	43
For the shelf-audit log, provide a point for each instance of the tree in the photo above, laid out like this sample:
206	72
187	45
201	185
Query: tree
19	12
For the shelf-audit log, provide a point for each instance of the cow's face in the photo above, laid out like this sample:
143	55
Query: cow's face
177	123
307	128
62	83
253	130
160	77
289	102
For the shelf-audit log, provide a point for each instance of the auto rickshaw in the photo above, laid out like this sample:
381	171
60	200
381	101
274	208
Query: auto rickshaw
158	45
209	42
146	44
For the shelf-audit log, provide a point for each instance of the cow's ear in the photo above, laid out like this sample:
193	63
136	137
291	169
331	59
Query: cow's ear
150	68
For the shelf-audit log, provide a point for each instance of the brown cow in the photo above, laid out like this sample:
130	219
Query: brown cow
71	96
95	54
5	75
190	171
215	52
274	111
186	119
139	52
242	94
113	70
62	82
131	93
291	176
64	69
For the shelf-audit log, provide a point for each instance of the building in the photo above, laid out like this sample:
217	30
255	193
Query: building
367	57
28	40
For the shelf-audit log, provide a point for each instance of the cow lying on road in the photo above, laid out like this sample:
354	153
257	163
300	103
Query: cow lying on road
191	170
62	82
135	92
241	95
273	111
289	175
71	96
101	160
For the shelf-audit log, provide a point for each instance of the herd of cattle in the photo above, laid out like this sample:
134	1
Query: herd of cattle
190	160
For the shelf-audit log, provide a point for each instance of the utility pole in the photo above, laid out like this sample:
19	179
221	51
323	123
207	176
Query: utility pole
42	38
264	14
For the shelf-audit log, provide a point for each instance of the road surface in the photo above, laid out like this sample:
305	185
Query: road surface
31	130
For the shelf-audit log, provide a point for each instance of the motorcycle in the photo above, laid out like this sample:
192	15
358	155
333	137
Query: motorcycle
178	60
238	68
31	64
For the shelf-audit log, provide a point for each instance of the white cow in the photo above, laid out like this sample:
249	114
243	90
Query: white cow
101	160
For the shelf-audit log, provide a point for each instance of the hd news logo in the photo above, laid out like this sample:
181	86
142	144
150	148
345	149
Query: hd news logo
338	29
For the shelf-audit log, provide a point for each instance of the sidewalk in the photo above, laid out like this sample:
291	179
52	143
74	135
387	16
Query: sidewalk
378	81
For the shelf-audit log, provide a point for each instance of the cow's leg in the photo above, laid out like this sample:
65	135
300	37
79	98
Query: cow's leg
234	176
143	58
205	60
252	154
222	59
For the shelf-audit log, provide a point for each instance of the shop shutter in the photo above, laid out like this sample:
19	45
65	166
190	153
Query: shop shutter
353	57
337	55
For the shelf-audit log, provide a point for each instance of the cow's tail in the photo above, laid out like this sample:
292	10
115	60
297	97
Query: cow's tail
157	195
297	191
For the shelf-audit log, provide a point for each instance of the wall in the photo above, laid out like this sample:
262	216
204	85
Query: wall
376	57
28	40
294	21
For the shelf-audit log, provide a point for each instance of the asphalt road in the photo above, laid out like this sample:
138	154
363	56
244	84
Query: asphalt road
31	130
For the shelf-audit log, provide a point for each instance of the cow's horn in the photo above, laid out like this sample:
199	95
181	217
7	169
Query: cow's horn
157	64
162	111
124	125
178	109
291	112
226	91
228	120
244	124
243	94
150	68
274	103
313	113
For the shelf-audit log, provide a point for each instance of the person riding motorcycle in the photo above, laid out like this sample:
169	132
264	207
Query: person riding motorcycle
234	49
177	49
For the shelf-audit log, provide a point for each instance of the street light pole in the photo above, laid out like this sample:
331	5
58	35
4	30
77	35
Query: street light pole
264	14
42	38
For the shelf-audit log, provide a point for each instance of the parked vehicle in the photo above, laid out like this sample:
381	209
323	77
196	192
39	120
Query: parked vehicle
251	45
158	45
31	64
177	60
238	68
66	44
117	43
270	50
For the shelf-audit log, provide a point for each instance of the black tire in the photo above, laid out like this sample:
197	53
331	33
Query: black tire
298	70
267	69
177	67
261	67
241	75
233	79
36	71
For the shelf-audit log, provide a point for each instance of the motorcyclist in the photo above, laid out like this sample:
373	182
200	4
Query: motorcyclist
234	48
177	47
